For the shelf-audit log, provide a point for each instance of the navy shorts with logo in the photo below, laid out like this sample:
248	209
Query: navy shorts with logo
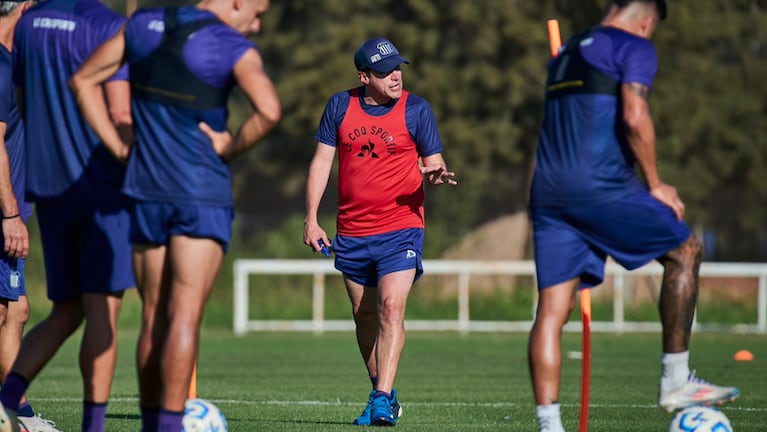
156	222
365	260
574	241
12	283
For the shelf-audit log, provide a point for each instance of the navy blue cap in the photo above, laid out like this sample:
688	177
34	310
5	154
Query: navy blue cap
378	54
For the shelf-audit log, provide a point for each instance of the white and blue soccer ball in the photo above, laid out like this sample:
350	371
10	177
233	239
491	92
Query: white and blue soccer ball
700	419
201	415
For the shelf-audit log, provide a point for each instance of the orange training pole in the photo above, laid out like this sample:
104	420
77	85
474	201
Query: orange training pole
555	39
586	362
193	383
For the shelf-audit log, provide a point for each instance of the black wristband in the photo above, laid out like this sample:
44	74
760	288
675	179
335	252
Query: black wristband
11	216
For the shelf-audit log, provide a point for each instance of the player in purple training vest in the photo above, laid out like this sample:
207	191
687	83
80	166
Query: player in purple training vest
183	63
587	203
74	182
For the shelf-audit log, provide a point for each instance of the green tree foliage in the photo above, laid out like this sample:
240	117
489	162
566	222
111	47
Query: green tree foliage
482	65
710	107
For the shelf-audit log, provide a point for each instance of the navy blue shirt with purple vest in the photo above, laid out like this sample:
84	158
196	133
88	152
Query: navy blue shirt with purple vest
181	62
66	161
583	156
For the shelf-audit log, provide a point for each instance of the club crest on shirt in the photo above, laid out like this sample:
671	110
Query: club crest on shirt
156	26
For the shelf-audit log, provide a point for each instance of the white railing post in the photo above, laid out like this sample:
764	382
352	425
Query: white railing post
619	284
463	302
762	303
241	300
318	302
319	269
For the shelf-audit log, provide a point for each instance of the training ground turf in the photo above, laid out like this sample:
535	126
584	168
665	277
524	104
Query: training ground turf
447	382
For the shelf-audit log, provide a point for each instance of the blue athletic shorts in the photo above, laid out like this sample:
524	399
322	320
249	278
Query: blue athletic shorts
574	241
12	278
156	222
86	249
365	260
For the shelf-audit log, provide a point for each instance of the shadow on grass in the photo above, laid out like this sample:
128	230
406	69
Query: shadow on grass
284	421
124	416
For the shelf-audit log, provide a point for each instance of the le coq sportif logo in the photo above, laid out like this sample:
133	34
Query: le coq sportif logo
367	149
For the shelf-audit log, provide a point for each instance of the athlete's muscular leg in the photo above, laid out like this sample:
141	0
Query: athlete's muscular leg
393	290
41	343
98	347
679	294
15	317
364	311
152	284
555	303
9	346
194	263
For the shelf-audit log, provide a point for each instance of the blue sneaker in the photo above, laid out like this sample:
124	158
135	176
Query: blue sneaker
382	413
364	418
396	408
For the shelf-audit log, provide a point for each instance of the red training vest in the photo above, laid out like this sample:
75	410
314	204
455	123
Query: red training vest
380	188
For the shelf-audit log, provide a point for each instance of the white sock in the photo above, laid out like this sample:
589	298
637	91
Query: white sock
675	371
549	419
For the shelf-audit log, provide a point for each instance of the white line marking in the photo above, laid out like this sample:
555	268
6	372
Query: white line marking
729	407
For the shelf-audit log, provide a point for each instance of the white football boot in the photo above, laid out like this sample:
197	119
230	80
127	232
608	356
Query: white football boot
696	391
36	424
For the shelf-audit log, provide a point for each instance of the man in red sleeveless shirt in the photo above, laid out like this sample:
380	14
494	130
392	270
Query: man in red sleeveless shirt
381	132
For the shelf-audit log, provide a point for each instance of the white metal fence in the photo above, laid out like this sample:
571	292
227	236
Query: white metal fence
463	270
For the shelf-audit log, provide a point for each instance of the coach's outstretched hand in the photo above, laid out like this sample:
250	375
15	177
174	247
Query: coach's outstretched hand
438	174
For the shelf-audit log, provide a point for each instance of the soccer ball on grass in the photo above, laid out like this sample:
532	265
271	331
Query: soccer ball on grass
700	419
201	415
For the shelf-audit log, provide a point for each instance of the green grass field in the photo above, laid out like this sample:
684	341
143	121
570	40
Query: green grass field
447	382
